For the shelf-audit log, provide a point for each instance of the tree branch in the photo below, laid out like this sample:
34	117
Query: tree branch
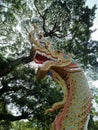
11	66
38	10
9	117
50	32
15	63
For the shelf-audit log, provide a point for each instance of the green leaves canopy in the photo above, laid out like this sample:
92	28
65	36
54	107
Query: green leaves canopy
67	23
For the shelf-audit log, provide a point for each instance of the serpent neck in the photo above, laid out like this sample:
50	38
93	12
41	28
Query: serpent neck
76	100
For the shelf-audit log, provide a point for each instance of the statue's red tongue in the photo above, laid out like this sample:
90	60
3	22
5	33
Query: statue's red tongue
40	59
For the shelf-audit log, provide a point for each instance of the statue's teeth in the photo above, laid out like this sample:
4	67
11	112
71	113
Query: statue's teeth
43	54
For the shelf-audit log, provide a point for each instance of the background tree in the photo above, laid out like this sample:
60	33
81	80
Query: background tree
67	24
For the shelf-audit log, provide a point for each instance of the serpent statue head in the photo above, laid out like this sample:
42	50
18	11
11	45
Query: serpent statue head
48	58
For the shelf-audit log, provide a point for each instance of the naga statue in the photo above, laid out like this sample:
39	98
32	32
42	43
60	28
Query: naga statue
74	109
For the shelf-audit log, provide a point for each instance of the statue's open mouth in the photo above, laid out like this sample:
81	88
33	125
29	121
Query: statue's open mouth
41	58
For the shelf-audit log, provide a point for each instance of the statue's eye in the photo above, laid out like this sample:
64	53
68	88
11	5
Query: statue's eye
58	51
46	46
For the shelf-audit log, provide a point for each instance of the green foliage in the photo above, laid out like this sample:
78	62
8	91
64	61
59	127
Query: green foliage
25	125
5	125
30	96
71	21
68	25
